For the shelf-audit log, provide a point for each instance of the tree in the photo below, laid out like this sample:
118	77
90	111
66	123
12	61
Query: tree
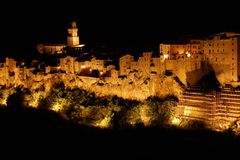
16	100
167	109
192	124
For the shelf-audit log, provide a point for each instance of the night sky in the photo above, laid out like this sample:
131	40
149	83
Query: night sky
24	25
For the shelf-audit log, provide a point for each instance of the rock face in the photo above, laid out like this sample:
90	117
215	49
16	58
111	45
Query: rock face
135	86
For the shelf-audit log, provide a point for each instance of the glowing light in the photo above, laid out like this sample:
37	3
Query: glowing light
165	56
80	45
188	54
176	121
59	67
101	73
187	111
144	115
56	107
34	103
105	123
132	123
59	104
4	101
83	66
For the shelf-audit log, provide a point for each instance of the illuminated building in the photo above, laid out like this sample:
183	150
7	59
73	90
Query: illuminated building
222	52
193	47
125	64
73	43
51	48
73	38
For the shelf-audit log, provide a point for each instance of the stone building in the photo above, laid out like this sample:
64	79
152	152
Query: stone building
95	64
179	64
147	64
71	65
182	64
11	64
13	74
73	43
222	52
125	64
73	38
144	63
67	64
51	48
194	46
113	73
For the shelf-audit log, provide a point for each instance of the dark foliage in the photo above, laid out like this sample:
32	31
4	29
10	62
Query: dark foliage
194	125
16	100
37	130
37	127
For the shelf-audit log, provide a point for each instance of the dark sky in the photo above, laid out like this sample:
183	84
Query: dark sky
24	25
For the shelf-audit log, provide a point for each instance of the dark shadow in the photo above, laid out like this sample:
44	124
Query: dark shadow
208	81
16	100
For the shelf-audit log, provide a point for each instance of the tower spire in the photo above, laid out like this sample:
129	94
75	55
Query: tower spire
73	38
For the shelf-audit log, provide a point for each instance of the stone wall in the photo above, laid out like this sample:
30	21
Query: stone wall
219	110
135	86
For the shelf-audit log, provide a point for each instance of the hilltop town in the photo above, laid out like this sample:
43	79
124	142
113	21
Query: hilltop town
174	70
187	61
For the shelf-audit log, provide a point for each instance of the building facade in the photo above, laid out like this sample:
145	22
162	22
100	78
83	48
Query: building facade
194	46
125	64
222	53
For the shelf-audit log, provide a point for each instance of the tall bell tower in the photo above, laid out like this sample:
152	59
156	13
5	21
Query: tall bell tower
73	38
